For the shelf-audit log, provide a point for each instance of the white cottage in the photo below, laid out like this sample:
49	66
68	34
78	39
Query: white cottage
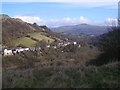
48	46
79	46
54	47
74	43
7	52
26	49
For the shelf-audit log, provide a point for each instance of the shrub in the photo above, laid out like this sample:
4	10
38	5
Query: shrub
109	44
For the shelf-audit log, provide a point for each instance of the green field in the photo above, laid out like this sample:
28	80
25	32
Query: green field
39	36
28	42
25	41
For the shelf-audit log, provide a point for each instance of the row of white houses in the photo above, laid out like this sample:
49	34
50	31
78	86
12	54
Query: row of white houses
7	52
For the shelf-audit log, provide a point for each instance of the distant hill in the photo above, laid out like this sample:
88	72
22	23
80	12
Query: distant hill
14	28
81	28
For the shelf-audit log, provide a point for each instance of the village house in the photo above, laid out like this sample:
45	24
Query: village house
37	48
66	43
79	46
60	44
14	52
32	48
20	49
48	46
74	43
54	47
7	52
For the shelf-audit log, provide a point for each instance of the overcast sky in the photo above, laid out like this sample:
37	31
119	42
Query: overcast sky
62	12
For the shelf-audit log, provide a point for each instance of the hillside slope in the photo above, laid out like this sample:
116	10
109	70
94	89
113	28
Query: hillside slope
14	28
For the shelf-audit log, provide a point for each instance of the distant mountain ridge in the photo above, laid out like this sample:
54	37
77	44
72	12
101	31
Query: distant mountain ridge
81	28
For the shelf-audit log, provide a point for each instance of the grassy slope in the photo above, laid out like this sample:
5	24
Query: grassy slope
64	76
39	36
28	42
24	41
